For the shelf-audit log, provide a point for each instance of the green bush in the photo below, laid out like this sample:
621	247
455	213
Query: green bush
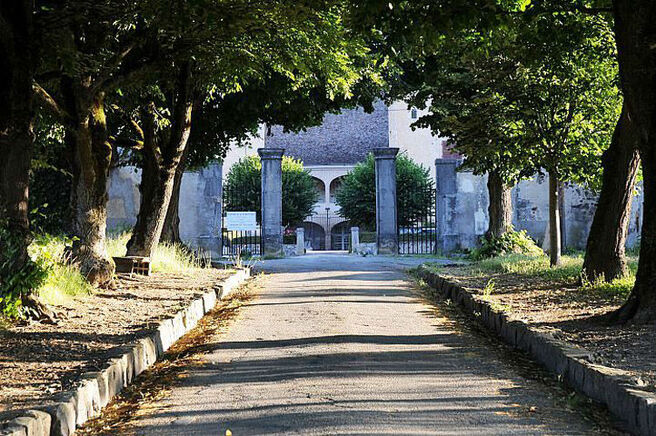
243	186
511	242
63	279
367	237
356	196
16	282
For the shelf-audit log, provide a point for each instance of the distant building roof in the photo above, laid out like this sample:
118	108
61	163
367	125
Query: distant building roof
345	138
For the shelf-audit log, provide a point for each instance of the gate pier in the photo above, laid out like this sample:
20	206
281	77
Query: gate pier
387	236
271	201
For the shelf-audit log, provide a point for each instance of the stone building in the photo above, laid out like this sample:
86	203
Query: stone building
331	150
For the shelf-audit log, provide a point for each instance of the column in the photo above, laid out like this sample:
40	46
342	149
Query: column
386	218
271	201
355	239
446	186
300	241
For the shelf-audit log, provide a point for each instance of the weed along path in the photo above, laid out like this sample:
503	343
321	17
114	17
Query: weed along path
340	344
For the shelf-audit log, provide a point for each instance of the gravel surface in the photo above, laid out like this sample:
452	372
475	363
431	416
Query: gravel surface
342	344
573	315
39	360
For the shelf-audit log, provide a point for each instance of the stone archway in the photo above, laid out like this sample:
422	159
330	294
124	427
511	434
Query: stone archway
340	235
315	236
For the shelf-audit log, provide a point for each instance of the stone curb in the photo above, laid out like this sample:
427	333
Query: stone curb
636	408
96	389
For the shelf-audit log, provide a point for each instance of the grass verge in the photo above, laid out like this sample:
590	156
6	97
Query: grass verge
166	257
537	268
64	281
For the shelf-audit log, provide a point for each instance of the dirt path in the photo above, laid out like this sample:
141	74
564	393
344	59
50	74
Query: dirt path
339	344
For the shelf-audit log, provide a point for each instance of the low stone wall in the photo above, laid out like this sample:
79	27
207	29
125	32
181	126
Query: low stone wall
289	250
200	204
612	387
365	249
96	389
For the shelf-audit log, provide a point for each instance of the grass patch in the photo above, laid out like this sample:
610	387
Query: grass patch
63	281
537	268
166	257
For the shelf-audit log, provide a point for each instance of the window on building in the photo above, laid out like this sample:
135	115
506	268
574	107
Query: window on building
413	113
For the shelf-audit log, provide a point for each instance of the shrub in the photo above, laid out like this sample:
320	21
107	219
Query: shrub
244	182
16	282
63	280
511	242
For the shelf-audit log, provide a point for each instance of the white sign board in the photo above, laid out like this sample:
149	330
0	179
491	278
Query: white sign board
241	221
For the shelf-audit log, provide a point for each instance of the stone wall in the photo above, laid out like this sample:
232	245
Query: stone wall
462	215
461	207
200	204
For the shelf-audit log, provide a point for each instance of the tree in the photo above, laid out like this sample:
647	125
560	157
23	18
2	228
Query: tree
299	194
356	196
18	274
308	50
605	252
162	152
635	35
457	82
535	94
230	120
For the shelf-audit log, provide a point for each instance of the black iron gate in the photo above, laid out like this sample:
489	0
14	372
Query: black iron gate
239	242
417	220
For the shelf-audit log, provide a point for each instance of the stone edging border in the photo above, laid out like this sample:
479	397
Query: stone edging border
636	408
96	389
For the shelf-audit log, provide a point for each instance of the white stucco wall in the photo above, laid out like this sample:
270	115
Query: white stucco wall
419	144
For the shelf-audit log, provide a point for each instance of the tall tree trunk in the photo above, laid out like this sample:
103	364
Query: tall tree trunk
91	161
500	208
171	231
635	35
16	133
160	165
605	251
554	220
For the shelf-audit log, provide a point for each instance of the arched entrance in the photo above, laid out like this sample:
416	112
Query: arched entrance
340	236
315	236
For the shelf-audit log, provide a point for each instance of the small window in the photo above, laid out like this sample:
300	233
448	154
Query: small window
413	113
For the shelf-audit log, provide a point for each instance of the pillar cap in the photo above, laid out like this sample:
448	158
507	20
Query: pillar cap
270	153
448	161
385	152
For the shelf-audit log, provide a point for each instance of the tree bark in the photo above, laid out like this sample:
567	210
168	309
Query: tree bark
159	169
605	253
500	208
635	35
554	220
171	231
16	129
91	156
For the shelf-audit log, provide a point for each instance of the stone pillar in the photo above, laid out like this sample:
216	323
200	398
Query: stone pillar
355	239
387	234
271	201
300	241
446	186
